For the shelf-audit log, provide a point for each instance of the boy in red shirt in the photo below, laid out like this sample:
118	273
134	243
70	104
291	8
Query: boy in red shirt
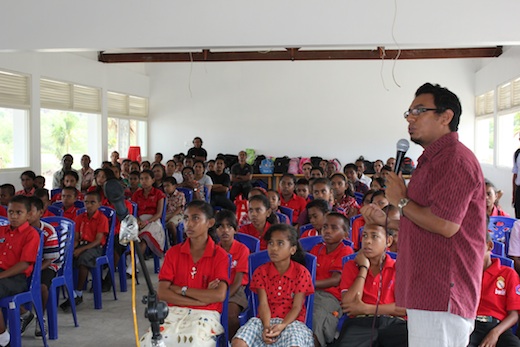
329	266
89	239
289	199
19	243
68	197
499	304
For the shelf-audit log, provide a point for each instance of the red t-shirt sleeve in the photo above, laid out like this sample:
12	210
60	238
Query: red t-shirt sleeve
242	259
513	292
167	272
259	278
222	269
3	212
304	282
30	248
103	225
348	275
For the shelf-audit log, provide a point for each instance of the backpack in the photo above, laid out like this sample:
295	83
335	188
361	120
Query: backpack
315	161
266	166
294	166
256	164
251	155
303	161
407	166
230	159
281	164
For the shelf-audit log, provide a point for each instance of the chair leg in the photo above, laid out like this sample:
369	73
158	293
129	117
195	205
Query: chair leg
37	301
52	313
14	326
111	273
121	269
96	285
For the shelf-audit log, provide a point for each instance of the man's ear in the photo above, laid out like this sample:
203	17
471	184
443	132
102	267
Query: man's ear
447	116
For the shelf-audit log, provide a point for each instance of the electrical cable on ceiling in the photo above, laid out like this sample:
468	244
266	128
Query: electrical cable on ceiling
395	41
382	50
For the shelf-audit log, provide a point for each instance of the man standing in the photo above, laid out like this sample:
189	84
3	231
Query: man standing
516	184
197	152
87	173
66	163
241	174
221	182
442	227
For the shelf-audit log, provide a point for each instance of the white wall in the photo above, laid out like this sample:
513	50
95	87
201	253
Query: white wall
69	68
333	109
498	71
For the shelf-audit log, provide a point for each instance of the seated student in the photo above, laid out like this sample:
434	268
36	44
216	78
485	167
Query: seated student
385	171
282	285
350	170
360	222
89	239
27	178
100	177
317	172
379	199
244	218
133	184
125	170
316	210
289	199
175	202
220	187
378	183
492	207
210	166
329	264
274	199
321	189
135	166
378	166
150	202
17	254
302	189
70	179
193	281
145	165
39	182
330	169
499	303
159	174
306	170
51	261
241	175
6	193
261	218
68	197
344	197
203	179
367	288
43	195
226	227
170	168
188	181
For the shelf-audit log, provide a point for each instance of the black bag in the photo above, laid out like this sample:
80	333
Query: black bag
281	164
256	164
315	161
230	160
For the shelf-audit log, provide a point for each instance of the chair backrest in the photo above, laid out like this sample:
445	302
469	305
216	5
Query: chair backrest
259	258
65	229
225	306
499	226
55	210
352	219
163	222
305	227
77	203
207	194
504	261
288	212
188	193
283	218
110	213
4	221
499	249
55	191
309	242
250	241
346	258
359	198
134	208
36	276
81	210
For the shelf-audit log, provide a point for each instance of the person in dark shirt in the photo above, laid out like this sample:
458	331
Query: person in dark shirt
197	152
221	183
241	174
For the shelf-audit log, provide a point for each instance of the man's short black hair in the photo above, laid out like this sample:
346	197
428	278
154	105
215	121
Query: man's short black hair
444	100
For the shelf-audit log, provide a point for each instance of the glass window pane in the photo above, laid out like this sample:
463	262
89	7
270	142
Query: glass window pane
123	133
14	140
485	140
508	129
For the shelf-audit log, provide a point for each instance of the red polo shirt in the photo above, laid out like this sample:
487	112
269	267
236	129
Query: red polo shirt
500	291
297	203
57	197
70	213
3	212
88	228
148	204
358	224
239	261
250	229
372	283
327	263
435	273
280	289
26	193
17	245
179	269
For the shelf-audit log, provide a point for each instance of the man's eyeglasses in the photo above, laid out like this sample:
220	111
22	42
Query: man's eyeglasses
417	111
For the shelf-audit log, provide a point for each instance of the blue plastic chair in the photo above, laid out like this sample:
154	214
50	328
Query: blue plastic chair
57	211
352	219
305	227
188	193
77	203
499	249
55	191
65	277
359	198
106	259
207	195
251	242
283	218
308	243
223	339
11	304
156	259
504	261
500	227
288	212
259	258
180	232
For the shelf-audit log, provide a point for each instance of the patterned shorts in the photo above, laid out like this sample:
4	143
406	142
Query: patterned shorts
295	334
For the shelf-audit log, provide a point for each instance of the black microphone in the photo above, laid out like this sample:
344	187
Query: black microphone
116	195
402	148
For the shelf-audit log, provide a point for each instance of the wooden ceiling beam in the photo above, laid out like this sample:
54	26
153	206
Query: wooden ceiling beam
292	54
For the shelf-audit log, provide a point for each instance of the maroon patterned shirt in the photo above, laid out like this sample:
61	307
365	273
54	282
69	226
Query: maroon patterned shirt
435	273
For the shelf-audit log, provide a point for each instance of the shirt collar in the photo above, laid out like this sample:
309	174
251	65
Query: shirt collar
21	228
494	268
208	251
442	142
